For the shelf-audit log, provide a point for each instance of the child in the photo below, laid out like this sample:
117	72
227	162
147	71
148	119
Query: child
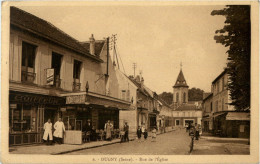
154	134
145	134
139	133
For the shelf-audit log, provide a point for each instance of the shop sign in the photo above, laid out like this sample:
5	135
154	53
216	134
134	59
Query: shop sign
76	99
35	99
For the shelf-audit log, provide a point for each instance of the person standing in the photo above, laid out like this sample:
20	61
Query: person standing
59	129
126	129
139	133
197	131
108	128
154	134
143	130
47	136
88	131
145	134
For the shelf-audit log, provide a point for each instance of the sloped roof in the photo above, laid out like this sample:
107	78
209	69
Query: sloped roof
98	46
180	82
187	107
219	76
46	30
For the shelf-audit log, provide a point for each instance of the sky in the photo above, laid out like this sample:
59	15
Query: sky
157	38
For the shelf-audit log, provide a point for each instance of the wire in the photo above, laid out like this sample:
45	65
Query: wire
122	63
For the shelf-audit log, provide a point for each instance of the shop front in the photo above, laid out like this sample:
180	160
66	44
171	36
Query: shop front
27	114
152	121
98	109
142	117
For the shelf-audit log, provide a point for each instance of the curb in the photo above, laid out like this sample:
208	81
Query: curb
69	151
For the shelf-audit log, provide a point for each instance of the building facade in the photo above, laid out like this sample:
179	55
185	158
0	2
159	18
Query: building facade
184	112
219	116
53	75
207	112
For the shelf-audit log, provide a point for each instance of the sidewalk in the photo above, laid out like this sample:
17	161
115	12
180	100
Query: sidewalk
210	145
63	148
59	149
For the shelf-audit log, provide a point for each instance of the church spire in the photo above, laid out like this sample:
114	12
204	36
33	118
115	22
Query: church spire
180	82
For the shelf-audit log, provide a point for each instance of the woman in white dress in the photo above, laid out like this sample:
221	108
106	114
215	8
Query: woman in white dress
59	129
108	129
47	136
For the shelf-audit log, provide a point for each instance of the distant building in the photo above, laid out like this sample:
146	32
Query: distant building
207	111
184	112
219	116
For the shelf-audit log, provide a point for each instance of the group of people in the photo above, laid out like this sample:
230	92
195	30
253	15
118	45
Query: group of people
58	133
143	131
193	130
90	134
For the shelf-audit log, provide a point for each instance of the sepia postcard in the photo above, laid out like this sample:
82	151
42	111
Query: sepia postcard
130	82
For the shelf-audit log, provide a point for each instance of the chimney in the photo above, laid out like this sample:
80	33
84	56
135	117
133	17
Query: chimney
92	45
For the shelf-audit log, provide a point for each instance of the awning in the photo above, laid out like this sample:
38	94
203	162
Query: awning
96	99
238	116
218	114
205	119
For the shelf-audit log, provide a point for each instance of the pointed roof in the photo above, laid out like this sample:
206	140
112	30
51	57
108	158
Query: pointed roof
180	82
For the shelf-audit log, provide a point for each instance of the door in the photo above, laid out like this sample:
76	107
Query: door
50	114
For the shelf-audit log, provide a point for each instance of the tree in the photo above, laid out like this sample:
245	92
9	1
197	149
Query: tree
167	97
195	94
236	34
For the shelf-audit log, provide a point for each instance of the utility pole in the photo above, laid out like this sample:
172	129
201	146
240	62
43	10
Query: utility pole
107	54
134	67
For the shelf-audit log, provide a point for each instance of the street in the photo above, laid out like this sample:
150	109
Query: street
172	143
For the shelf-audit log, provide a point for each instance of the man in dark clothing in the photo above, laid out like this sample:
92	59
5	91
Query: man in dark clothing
197	131
139	133
126	129
88	131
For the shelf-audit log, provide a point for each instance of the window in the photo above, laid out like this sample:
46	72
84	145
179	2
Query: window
218	87
223	83
76	75
128	95
77	69
177	97
28	62
211	106
56	64
223	104
177	122
23	118
184	97
124	94
216	106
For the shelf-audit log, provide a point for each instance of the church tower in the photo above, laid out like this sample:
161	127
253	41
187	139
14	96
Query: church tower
180	90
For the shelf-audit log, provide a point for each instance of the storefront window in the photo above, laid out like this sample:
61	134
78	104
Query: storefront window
23	118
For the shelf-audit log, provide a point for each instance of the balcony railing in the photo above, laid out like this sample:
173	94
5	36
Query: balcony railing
76	85
28	76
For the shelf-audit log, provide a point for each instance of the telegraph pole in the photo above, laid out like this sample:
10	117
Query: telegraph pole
134	67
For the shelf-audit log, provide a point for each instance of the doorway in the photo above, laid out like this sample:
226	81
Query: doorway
50	114
188	121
